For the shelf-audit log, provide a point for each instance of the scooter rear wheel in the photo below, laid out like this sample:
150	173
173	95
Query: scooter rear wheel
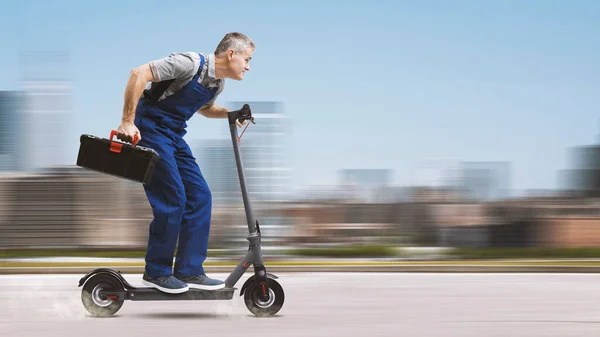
259	307
93	302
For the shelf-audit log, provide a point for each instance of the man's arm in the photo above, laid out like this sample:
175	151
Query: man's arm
136	84
213	111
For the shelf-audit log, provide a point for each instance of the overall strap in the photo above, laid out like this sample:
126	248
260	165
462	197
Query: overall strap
155	92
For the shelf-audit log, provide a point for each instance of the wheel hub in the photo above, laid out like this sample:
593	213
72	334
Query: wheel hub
264	304
98	300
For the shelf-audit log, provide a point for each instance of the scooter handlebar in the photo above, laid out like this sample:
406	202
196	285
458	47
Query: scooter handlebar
243	114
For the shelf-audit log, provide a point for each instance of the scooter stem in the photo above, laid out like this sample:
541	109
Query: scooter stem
233	116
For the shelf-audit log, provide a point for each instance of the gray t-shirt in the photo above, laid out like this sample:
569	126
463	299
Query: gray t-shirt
183	67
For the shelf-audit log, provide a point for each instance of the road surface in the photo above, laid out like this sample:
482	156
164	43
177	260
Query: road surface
325	304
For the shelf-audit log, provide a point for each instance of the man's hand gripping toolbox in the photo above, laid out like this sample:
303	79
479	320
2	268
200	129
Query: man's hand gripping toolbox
116	158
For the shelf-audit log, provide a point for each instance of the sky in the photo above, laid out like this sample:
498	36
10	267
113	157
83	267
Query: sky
401	85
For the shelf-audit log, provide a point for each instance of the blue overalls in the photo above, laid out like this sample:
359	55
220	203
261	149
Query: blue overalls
180	197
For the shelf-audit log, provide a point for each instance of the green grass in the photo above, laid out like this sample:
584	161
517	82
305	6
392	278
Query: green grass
526	253
12	253
339	263
355	251
31	253
348	251
358	251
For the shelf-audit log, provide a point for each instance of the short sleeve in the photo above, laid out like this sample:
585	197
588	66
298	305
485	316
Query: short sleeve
176	65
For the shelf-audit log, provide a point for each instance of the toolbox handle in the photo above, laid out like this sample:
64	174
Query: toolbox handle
114	133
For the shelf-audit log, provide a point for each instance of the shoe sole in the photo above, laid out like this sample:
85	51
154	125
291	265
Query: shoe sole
205	287
166	290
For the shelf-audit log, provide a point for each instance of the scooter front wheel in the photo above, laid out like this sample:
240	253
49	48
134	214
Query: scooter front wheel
264	307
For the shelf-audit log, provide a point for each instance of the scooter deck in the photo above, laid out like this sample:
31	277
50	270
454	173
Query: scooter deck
132	293
152	294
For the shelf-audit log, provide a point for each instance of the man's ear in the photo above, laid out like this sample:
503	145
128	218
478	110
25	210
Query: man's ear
230	54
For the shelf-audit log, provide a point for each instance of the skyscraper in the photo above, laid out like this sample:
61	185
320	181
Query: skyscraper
486	181
47	109
583	177
12	136
265	151
217	163
365	184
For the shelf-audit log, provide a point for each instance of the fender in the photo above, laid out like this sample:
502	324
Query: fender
111	272
251	279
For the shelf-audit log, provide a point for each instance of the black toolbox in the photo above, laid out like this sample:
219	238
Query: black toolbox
116	158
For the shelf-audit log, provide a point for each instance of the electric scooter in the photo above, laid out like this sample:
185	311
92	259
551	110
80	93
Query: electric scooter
105	290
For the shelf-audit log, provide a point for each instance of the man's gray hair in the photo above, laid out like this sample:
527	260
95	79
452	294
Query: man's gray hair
236	41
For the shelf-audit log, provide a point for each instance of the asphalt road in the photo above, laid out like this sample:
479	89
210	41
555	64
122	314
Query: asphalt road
328	304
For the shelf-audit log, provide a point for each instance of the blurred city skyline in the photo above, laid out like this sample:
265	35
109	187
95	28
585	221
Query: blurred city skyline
442	83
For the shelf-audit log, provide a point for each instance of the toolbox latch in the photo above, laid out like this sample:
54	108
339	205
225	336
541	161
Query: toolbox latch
115	147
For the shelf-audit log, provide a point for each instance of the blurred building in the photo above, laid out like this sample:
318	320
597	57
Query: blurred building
265	152
47	109
368	185
12	134
314	193
217	163
583	178
338	222
485	181
67	207
569	224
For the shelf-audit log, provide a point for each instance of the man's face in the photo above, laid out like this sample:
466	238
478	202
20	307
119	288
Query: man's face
239	63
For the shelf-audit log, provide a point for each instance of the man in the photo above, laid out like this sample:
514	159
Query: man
183	84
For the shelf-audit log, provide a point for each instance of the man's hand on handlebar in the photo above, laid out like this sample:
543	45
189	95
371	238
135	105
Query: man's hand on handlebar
241	117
